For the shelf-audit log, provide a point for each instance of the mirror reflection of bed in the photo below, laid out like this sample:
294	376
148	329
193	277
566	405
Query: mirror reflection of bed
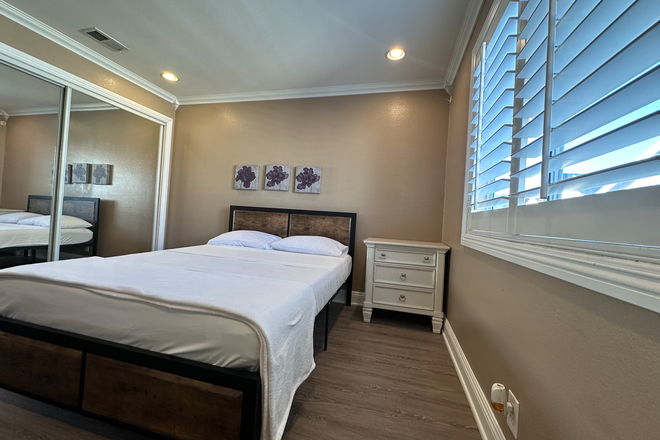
24	235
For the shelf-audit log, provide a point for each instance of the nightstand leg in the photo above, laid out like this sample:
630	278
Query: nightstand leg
437	323
366	314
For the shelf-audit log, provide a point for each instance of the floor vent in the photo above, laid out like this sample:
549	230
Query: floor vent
101	37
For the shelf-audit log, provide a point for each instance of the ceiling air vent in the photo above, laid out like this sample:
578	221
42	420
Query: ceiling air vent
103	38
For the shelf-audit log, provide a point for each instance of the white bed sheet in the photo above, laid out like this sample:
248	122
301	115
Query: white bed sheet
276	294
13	235
195	336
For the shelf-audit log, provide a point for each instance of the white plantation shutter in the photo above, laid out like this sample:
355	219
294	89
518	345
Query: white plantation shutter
606	99
476	129
566	104
530	100
492	116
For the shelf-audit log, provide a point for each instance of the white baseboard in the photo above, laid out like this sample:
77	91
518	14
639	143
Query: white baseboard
357	298
483	414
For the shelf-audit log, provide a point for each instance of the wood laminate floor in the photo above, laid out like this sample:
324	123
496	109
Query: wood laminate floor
390	379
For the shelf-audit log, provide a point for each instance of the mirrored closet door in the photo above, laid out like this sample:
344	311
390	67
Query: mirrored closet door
93	166
29	122
112	160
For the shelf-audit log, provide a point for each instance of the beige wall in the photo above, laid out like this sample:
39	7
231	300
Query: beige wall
121	139
29	154
382	157
33	44
583	365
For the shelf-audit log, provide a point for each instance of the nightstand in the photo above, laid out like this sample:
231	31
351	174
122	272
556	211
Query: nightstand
406	276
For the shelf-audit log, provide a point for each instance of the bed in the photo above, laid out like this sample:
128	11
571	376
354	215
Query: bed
184	389
80	241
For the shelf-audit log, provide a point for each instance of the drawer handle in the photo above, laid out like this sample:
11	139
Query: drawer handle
402	298
382	254
427	258
403	276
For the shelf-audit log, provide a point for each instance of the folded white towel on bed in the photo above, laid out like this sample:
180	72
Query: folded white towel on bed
271	300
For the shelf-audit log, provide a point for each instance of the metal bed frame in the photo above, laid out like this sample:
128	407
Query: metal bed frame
249	383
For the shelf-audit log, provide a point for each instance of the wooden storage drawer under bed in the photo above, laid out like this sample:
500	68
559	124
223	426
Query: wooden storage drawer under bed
39	368
160	402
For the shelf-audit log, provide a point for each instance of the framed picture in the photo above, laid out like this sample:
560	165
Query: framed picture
101	174
278	177
308	180
247	177
80	173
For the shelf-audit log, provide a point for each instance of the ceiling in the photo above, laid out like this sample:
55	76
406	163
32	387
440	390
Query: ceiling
20	91
242	47
22	94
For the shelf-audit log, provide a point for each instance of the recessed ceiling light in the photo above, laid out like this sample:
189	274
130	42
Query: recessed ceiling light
169	76
396	54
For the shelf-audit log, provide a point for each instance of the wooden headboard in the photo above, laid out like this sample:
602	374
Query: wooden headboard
86	208
285	222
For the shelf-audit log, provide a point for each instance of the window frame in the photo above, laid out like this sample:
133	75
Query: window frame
630	273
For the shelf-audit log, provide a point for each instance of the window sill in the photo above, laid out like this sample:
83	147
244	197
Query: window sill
635	282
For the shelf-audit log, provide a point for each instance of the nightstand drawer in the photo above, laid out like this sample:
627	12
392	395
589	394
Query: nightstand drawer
405	276
403	257
403	298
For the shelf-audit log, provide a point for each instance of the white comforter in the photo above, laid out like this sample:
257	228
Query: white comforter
277	299
12	235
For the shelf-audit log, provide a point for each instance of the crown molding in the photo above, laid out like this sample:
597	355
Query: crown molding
314	92
74	46
463	39
60	77
55	110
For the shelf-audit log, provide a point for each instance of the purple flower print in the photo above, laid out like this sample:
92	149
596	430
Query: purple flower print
99	174
307	178
276	176
245	175
80	171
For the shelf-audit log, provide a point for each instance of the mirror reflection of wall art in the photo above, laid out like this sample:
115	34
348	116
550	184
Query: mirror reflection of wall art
278	177
101	174
80	173
247	177
308	180
67	173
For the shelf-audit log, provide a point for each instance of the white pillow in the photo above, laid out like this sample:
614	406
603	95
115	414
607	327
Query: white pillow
253	239
67	222
311	244
16	217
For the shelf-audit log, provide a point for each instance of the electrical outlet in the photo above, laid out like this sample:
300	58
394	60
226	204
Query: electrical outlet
513	414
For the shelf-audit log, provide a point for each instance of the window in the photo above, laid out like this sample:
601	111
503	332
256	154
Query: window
564	142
